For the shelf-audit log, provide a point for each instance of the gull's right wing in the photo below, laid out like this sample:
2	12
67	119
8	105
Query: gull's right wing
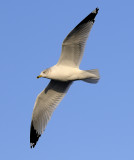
45	104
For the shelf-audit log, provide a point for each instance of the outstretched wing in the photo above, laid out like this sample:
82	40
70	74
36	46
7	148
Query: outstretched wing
74	44
45	104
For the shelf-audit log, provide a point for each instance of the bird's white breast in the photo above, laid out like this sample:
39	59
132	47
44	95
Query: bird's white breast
63	73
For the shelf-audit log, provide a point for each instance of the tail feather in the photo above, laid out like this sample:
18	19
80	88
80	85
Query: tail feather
95	78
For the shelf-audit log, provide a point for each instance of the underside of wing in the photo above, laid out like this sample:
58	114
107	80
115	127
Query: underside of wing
74	44
45	104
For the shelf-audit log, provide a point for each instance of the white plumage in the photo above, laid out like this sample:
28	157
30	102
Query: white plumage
62	75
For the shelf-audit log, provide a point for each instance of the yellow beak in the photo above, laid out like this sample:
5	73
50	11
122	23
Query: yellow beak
39	76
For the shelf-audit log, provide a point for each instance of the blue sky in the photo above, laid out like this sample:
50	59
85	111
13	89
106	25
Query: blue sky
93	121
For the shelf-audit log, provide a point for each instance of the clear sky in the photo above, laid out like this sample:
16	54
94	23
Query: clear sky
93	121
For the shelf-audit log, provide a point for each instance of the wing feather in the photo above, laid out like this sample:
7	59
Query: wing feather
74	44
45	104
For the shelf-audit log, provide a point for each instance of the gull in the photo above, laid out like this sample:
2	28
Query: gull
62	76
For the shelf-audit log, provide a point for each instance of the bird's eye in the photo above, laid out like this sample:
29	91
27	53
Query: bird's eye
44	71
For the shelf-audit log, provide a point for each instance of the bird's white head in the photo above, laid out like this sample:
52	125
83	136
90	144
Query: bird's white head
44	73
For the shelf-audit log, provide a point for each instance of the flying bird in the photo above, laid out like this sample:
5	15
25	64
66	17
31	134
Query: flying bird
62	76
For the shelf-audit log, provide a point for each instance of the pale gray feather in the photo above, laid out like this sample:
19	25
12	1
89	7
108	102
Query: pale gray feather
74	44
46	103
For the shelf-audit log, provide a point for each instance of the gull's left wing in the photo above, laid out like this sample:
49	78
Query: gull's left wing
74	44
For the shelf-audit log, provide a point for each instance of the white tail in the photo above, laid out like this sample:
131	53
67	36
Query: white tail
94	79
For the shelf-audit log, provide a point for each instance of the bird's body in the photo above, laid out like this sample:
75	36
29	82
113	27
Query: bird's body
62	75
67	73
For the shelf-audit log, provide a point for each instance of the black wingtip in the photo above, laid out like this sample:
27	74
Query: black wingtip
34	136
93	14
90	17
97	9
